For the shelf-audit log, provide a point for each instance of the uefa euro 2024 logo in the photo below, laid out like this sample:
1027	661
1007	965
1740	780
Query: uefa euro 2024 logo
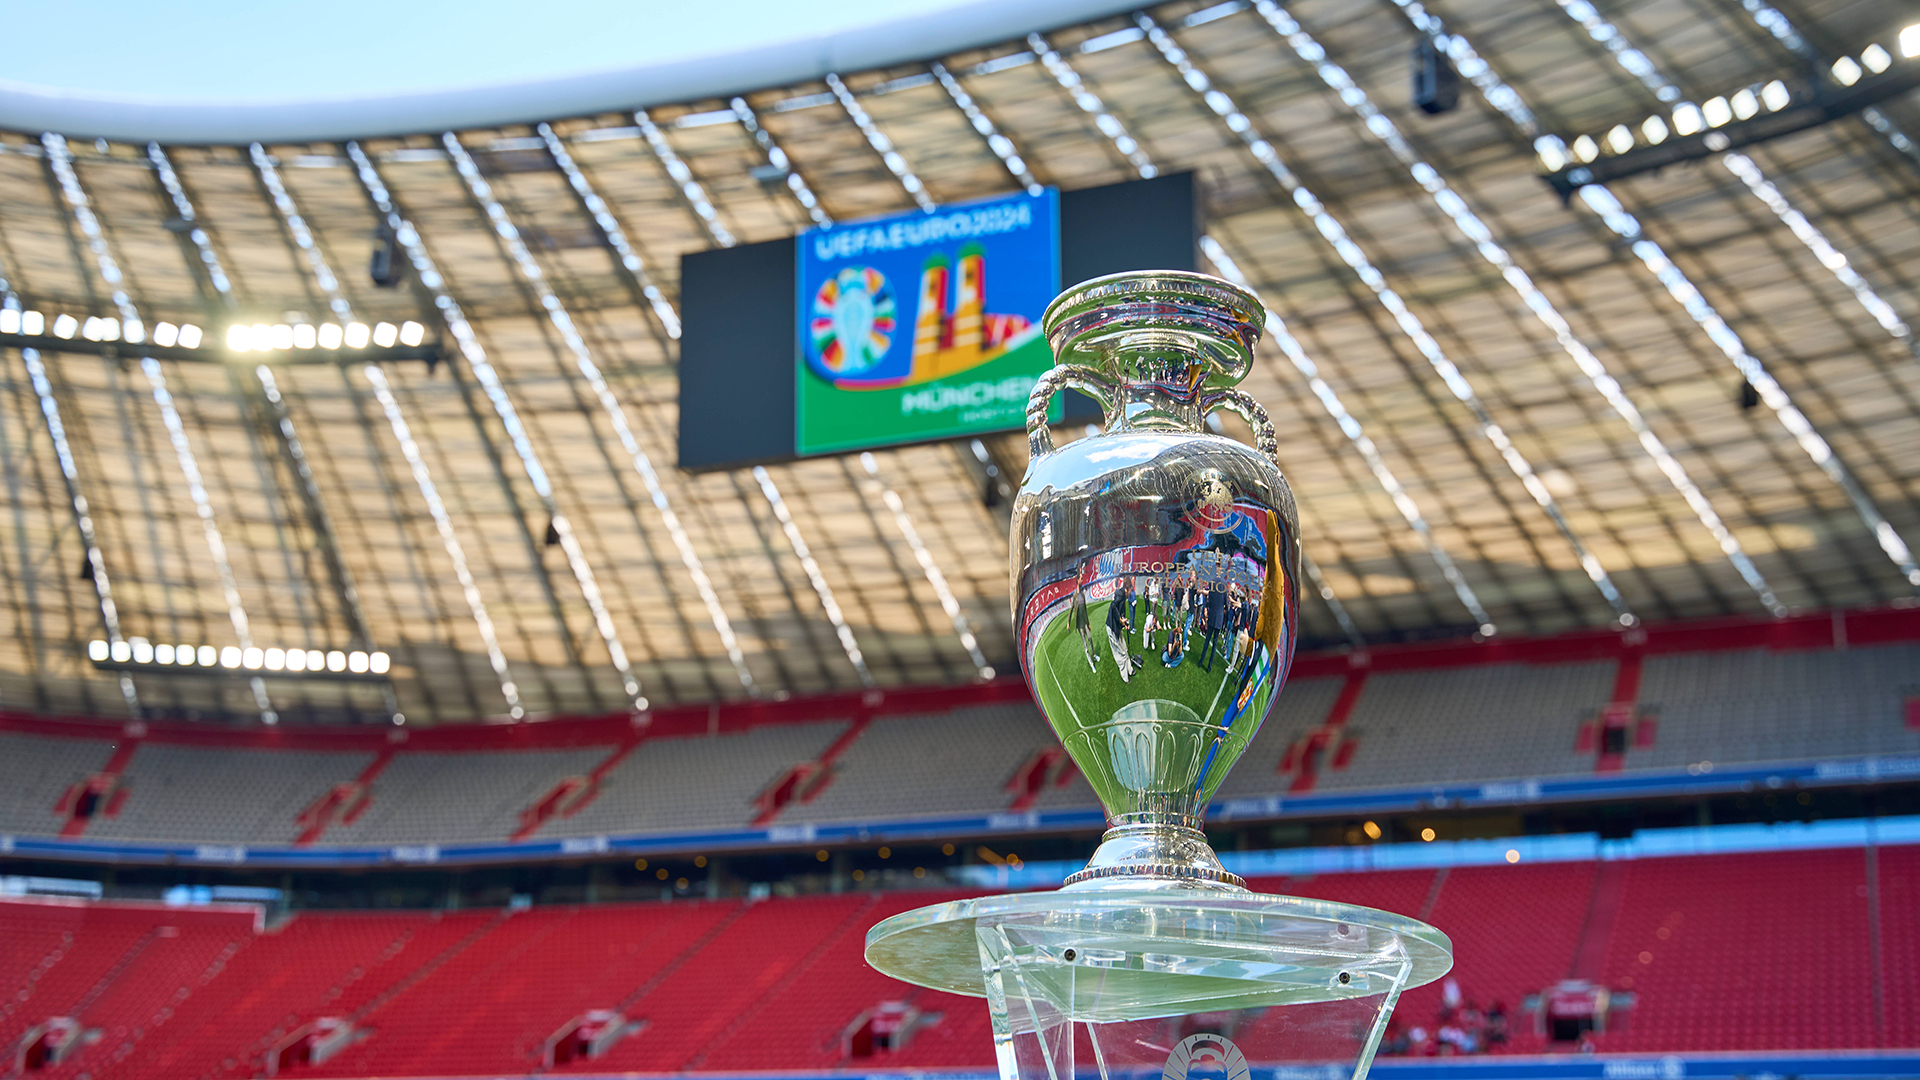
854	323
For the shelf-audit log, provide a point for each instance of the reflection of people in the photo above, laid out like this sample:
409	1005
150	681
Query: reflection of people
1215	622
1176	646
1117	638
1152	624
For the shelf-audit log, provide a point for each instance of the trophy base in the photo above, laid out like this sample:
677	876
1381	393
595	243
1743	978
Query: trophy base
1154	851
1135	979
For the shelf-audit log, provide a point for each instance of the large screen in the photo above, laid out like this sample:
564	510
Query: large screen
923	326
846	338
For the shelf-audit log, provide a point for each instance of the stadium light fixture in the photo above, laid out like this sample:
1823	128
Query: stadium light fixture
1910	41
140	652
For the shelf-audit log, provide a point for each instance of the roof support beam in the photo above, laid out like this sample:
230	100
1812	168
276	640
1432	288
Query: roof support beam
1604	204
489	379
1277	332
1478	238
610	405
60	163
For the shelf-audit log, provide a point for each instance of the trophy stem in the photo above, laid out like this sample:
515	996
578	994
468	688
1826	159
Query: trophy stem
1155	851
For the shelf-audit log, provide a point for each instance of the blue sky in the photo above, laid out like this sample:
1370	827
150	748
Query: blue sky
262	51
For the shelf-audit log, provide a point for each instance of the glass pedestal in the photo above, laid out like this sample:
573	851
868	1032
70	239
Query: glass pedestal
1175	982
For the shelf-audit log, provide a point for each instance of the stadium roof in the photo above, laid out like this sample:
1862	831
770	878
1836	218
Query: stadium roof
1500	412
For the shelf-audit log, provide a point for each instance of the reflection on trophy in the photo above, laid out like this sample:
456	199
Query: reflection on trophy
1155	571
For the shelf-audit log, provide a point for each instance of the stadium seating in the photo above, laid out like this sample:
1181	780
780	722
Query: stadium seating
694	783
1747	952
222	796
1492	722
36	771
1725	706
1761	951
1404	727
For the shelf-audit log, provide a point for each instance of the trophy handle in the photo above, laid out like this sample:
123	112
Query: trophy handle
1237	402
1092	383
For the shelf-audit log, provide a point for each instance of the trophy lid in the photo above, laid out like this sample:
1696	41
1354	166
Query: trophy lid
1161	314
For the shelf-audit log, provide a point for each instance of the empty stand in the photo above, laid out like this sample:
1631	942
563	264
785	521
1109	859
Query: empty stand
36	771
1406	728
1302	707
437	797
1759	704
223	796
912	766
695	782
1897	877
1773	951
1491	722
1746	952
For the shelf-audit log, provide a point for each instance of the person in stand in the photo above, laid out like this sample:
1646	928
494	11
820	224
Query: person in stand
1117	642
1216	623
1236	627
1176	645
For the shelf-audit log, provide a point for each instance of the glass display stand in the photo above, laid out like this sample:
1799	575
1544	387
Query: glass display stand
1173	981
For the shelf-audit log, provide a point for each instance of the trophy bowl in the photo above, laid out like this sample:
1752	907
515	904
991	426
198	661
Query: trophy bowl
1155	566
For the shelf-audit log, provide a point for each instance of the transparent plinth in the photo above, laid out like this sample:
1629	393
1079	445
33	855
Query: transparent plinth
1167	981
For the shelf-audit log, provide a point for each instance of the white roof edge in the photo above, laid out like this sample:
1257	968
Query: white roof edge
26	108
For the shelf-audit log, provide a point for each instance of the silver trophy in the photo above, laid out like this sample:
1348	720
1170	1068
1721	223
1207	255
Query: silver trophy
1155	571
1155	566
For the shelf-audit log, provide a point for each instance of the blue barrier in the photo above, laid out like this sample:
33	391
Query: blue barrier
1692	781
1830	1065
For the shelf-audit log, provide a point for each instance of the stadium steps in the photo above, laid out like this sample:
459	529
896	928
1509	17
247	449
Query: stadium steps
311	967
1811	950
1603	907
1745	952
343	802
1898	892
105	781
856	920
807	779
572	794
147	995
686	1008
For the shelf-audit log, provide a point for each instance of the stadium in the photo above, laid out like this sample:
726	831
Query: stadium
506	553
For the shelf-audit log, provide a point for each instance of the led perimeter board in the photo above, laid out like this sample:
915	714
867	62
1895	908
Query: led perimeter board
904	329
